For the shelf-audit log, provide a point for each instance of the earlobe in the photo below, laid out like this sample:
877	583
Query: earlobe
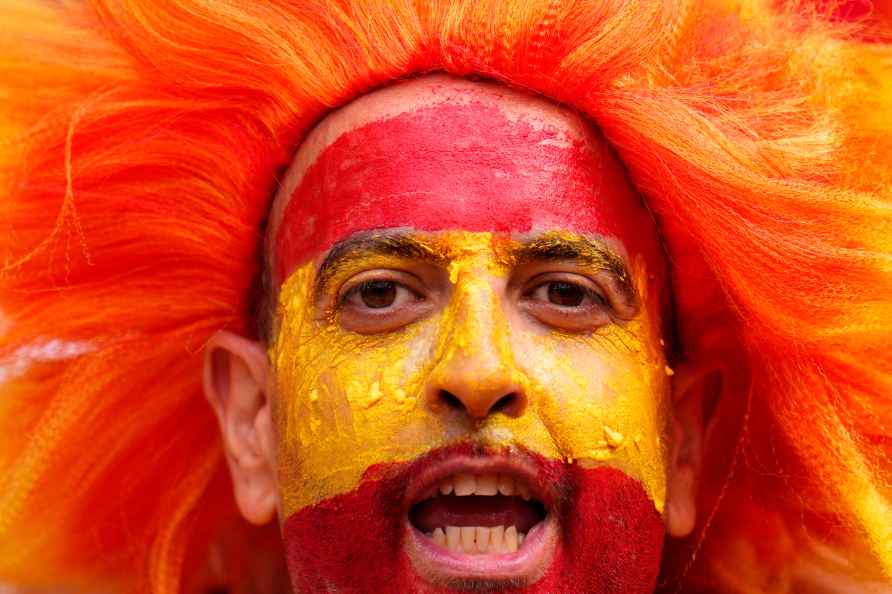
681	498
236	374
695	395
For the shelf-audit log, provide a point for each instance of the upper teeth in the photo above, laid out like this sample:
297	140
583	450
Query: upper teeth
463	484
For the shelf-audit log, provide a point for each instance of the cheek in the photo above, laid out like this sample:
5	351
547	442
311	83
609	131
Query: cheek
345	402
604	400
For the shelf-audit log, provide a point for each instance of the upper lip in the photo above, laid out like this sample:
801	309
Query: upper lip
431	470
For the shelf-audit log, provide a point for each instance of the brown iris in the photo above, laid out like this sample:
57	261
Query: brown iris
378	294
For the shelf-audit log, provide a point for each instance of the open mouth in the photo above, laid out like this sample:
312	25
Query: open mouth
485	519
489	513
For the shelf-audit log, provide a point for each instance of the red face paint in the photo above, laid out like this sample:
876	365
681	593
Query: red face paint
354	543
459	166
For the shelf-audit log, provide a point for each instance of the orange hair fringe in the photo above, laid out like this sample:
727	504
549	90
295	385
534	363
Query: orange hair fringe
141	143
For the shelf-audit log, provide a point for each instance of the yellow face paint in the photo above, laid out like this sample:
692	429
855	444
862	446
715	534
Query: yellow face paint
346	401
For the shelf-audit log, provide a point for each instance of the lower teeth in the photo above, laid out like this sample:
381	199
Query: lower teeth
478	540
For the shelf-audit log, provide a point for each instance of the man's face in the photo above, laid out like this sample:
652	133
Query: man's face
470	388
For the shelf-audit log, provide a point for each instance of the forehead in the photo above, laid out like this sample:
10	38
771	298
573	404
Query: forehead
441	153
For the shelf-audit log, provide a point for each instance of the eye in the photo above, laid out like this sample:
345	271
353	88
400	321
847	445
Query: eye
567	301
378	294
380	301
567	294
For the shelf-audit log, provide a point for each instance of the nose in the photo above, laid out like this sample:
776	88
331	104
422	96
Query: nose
476	373
478	393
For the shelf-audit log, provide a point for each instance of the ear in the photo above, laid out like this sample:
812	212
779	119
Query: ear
696	394
236	377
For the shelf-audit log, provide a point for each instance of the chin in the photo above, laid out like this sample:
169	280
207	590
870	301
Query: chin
466	519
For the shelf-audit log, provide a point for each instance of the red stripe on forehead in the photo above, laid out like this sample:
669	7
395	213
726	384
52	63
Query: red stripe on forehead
453	166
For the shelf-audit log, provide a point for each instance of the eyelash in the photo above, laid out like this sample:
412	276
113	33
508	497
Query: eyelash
594	295
400	279
405	301
357	288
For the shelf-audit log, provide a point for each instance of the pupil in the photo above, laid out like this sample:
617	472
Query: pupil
565	294
378	293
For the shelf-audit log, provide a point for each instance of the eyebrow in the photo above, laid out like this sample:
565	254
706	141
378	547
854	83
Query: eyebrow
588	252
373	243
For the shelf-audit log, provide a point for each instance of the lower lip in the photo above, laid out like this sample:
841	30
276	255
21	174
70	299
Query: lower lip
442	566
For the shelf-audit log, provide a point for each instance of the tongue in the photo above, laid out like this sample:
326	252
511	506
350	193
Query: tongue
475	510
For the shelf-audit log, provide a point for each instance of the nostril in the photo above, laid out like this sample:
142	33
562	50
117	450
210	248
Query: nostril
451	400
480	405
507	404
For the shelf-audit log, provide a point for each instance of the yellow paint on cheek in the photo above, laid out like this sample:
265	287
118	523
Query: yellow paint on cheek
614	438
347	401
604	395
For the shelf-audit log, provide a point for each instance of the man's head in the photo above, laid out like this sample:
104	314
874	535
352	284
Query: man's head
466	381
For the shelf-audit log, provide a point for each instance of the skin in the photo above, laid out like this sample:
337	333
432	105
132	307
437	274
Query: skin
476	348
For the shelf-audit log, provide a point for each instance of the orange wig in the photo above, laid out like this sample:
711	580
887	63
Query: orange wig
141	144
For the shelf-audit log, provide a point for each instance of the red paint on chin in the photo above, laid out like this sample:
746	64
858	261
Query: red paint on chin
456	166
611	538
